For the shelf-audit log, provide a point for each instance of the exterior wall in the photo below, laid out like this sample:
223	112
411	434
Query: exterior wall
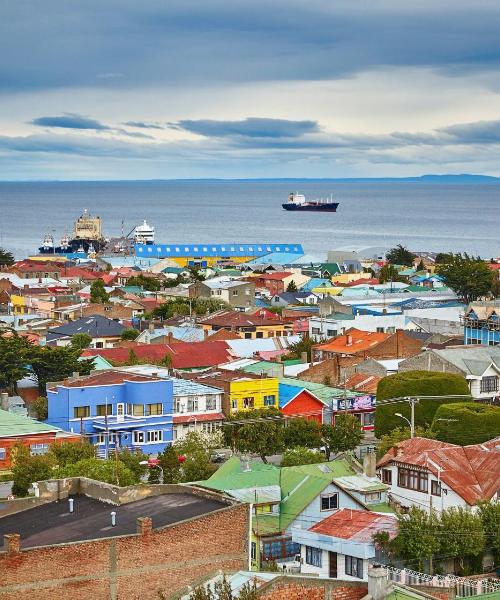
136	567
475	385
302	588
428	361
305	403
6	444
381	323
420	499
253	388
324	570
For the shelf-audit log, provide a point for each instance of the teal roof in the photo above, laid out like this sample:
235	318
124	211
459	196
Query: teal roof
12	425
265	366
324	392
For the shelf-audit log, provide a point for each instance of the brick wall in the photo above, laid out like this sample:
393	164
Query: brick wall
302	588
129	567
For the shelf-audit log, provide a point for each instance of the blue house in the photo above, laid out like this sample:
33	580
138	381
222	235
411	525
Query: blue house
115	409
482	323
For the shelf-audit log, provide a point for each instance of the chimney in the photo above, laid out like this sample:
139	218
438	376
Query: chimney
349	339
151	327
170	337
303	358
144	526
377	582
205	334
399	451
4	400
76	374
369	464
12	543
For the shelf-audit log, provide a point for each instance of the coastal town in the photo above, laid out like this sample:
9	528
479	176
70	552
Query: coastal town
218	420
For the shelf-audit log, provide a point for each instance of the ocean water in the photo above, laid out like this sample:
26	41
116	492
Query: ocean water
422	216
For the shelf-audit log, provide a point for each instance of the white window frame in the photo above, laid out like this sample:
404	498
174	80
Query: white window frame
154	436
137	435
329	497
39	449
3	453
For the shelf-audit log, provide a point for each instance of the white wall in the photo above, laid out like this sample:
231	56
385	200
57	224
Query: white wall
324	570
364	322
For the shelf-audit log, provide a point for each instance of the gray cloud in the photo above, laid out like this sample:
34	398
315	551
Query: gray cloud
481	132
143	125
70	121
249	128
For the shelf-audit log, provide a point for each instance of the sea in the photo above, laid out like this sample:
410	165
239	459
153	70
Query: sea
423	216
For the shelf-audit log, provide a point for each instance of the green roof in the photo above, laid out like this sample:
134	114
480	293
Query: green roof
381	507
331	268
325	393
231	477
132	289
12	425
265	366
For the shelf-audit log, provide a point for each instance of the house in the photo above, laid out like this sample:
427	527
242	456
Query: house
37	436
299	401
293	298
105	333
341	545
482	323
292	497
115	409
27	269
248	326
337	324
480	365
168	334
277	282
242	391
238	293
438	475
356	342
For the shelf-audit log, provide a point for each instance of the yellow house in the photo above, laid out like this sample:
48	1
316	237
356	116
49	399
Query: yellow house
248	326
18	304
248	393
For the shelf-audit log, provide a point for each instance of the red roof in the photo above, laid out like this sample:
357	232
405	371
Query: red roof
78	272
200	418
358	525
108	378
470	471
363	382
372	281
275	276
231	318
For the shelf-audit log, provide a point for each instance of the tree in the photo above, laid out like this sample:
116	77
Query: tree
6	258
421	266
400	255
66	453
466	423
55	363
169	462
443	257
302	432
291	287
400	434
132	460
41	408
389	273
263	437
98	294
150	284
129	334
468	276
296	349
495	288
222	591
418	537
345	435
490	518
301	456
109	471
14	351
80	341
196	449
133	359
462	534
27	469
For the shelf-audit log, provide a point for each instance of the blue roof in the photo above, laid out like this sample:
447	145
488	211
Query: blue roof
276	258
216	250
287	393
314	282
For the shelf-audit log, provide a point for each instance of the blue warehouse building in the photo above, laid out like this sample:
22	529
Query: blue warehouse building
482	323
115	409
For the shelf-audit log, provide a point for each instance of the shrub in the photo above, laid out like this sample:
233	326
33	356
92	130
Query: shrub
301	456
466	423
108	471
415	384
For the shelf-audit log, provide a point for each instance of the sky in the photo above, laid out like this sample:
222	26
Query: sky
162	89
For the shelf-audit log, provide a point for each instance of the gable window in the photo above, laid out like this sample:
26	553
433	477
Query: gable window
313	556
386	476
104	409
436	488
412	479
81	412
155	409
329	501
489	384
354	566
270	400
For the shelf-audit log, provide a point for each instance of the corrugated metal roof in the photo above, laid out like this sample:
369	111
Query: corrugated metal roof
216	250
356	525
12	425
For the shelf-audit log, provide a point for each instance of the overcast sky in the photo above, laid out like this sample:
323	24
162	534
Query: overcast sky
122	89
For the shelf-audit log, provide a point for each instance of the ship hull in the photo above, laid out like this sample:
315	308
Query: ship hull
74	246
330	207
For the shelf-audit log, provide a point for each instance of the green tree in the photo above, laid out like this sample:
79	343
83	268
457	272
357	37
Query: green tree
109	471
345	435
196	449
150	284
302	432
389	273
301	456
466	423
154	475
98	294
263	436
296	349
291	287
400	434
55	363
443	257
14	351
421	266
495	288
66	453
221	590
418	536
132	460
490	517
6	258
468	276
41	408
169	462
27	469
400	255
129	334
133	359
462	534
415	384
80	341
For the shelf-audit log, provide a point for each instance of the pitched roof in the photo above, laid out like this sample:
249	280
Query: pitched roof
111	377
239	319
354	341
288	392
12	425
356	525
324	392
95	325
470	471
363	382
471	360
274	276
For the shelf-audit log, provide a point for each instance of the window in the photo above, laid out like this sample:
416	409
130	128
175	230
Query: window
248	402
313	556
3	454
103	409
99	344
253	551
329	501
38	449
413	480
330	332
435	488
248	336
354	566
380	330
210	427
192	404
100	438
177	406
386	476
259	334
372	497
270	400
81	412
368	419
155	409
138	437
234	404
211	403
292	548
489	384
235	292
315	330
154	437
137	410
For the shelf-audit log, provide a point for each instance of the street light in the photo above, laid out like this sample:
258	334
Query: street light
410	423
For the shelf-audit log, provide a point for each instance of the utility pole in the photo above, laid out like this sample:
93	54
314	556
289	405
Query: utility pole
413	401
106	429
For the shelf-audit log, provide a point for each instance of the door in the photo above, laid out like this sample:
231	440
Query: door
333	565
120	411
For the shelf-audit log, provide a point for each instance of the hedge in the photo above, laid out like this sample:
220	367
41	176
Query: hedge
415	384
472	423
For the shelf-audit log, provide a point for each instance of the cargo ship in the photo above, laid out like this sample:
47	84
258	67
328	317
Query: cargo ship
298	202
87	238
